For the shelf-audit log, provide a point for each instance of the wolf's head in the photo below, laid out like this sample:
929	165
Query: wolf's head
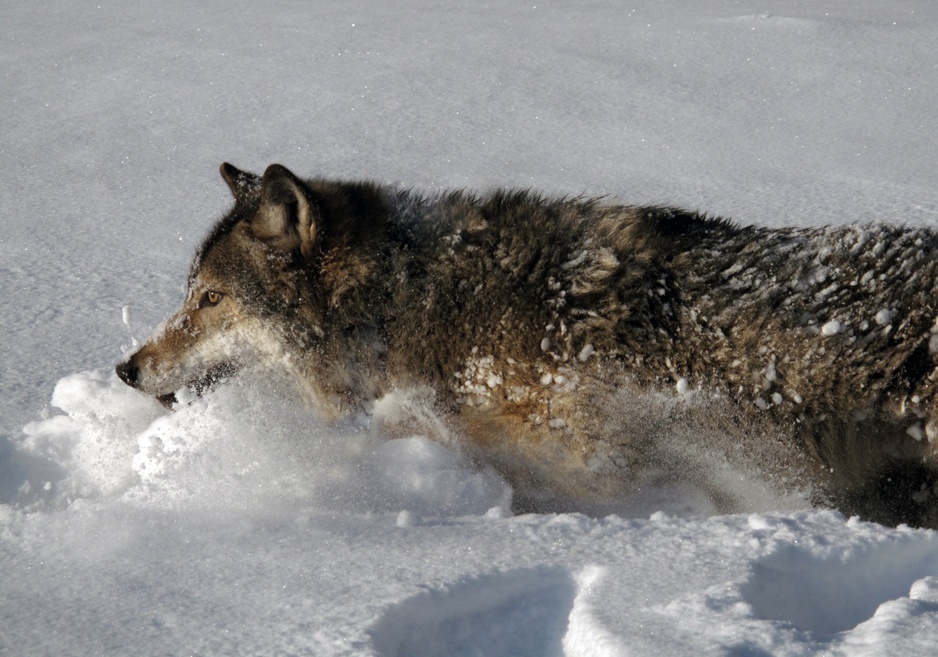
253	292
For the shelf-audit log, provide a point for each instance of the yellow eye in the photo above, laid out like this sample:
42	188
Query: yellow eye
210	298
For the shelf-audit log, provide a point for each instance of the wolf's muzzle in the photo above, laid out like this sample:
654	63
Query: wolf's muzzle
128	373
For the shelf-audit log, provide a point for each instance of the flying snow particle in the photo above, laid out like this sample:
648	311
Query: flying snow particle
681	386
125	315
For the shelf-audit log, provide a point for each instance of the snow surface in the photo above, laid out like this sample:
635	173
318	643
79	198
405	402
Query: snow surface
242	525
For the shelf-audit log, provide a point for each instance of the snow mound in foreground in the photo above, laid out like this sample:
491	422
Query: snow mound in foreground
248	445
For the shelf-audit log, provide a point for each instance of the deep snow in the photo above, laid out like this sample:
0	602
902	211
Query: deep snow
243	525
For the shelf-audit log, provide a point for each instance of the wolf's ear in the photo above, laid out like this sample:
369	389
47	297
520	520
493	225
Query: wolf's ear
286	213
243	184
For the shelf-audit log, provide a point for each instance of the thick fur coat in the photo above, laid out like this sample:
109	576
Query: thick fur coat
531	323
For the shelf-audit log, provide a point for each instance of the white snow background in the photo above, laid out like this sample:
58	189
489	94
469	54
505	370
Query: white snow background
241	525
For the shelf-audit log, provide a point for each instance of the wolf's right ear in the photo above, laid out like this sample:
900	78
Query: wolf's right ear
243	185
287	214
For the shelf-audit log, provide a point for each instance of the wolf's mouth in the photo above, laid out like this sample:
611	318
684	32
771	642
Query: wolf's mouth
167	400
216	375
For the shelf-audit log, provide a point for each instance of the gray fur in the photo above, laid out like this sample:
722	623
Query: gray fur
531	322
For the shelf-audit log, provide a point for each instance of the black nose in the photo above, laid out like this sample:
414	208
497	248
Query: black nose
127	371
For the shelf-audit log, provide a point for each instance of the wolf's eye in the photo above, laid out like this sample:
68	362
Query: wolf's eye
210	298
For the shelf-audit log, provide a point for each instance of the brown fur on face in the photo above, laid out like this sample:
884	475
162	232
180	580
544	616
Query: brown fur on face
554	333
179	353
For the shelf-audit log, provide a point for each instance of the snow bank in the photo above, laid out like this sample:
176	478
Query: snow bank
251	445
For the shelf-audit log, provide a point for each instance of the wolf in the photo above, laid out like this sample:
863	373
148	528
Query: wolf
561	339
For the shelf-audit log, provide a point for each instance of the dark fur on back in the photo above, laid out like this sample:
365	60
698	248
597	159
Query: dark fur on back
534	321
